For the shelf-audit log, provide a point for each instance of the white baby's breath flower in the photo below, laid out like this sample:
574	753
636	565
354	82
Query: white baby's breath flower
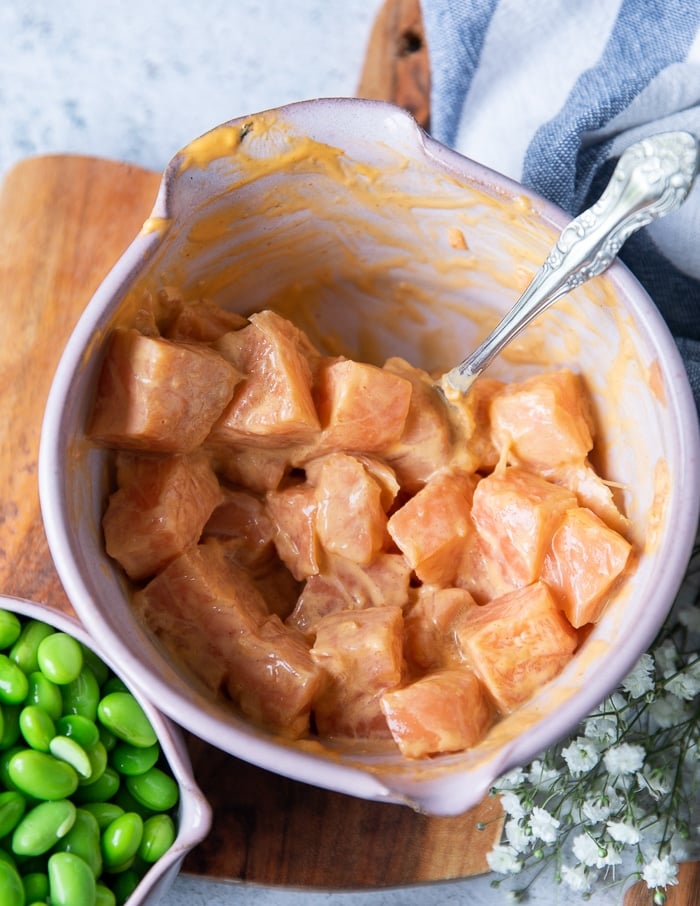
666	711
542	776
625	758
503	859
588	851
581	755
666	657
513	778
596	809
576	878
660	872
654	781
640	680
684	685
517	835
603	729
511	804
622	832
543	825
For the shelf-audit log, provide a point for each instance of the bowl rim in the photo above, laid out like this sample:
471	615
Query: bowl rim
260	749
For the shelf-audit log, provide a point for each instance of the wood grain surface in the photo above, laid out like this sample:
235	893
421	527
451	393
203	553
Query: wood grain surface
64	220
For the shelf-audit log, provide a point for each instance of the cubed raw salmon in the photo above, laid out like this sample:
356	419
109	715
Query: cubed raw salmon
257	468
159	510
585	559
293	513
426	444
345	584
517	643
359	653
350	519
273	405
444	711
430	626
429	529
543	421
361	407
475	449
516	513
157	395
209	610
202	320
243	516
591	491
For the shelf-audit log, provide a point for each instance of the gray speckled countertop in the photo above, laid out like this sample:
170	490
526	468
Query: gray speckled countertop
135	80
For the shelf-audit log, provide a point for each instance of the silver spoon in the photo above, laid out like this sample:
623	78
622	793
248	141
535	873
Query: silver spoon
652	178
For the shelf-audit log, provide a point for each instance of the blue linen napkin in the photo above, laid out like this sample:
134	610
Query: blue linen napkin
550	93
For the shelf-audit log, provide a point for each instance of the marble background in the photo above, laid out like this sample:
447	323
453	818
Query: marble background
135	80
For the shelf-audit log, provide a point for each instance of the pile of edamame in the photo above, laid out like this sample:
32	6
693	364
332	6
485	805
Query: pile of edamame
87	802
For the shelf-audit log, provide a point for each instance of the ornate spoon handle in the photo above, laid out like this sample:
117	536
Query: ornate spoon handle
652	178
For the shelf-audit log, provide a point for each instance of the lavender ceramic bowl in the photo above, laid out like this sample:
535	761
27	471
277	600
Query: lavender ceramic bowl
345	215
194	812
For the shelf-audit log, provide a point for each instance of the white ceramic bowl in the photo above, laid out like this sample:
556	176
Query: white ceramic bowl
194	812
343	214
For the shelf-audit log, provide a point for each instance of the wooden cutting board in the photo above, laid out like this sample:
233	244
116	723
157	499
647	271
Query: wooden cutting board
64	220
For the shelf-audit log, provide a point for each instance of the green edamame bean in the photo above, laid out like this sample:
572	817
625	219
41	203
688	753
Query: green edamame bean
40	775
79	728
82	695
44	694
42	827
154	789
12	807
128	759
60	658
11	885
103	812
36	887
13	682
158	837
24	651
10	628
96	664
10	732
121	840
121	713
37	727
124	884
114	684
107	738
66	749
104	896
5	758
6	857
97	755
102	790
83	839
70	881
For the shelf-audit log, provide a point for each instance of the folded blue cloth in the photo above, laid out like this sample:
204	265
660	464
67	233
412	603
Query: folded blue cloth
551	93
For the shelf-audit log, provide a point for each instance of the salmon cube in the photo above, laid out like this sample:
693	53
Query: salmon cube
345	585
202	321
257	468
359	655
517	643
585	559
292	511
426	443
470	412
445	711
516	513
196	605
430	528
273	405
350	520
243	516
153	394
362	408
591	490
159	510
543	421
212	614
430	626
